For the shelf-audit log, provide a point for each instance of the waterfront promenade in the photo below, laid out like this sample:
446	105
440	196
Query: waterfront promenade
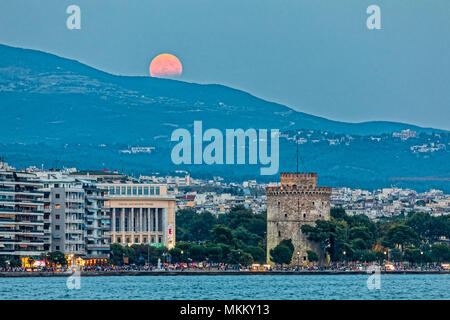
94	273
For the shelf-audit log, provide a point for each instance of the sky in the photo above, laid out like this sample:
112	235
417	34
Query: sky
315	56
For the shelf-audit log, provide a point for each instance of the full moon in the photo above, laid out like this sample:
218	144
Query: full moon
165	65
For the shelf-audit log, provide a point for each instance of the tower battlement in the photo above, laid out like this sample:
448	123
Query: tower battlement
298	178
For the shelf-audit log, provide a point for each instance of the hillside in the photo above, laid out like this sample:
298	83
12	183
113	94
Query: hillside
54	108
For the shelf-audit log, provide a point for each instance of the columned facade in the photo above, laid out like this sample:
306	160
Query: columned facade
140	215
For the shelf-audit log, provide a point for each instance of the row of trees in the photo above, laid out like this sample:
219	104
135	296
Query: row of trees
237	237
413	238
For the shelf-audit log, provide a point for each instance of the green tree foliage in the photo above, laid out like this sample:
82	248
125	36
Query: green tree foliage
400	235
281	254
358	236
56	258
312	256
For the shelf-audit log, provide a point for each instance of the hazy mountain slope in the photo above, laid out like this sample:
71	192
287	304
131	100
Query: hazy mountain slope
58	111
47	97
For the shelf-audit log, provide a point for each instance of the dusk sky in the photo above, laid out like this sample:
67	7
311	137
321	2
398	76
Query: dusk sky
314	56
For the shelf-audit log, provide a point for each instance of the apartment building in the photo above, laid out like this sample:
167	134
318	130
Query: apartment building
64	214
21	214
98	222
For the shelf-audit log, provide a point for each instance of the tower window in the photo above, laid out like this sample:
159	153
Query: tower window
304	215
285	215
279	233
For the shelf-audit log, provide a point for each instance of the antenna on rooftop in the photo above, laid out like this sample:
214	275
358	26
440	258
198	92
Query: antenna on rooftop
296	141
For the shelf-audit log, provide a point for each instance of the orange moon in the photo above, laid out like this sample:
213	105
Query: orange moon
165	65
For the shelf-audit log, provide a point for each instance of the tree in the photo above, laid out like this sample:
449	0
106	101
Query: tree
312	256
57	258
15	263
421	223
396	255
337	213
331	236
214	253
400	235
246	259
288	243
197	252
380	256
281	254
413	255
258	254
222	234
234	257
440	252
175	254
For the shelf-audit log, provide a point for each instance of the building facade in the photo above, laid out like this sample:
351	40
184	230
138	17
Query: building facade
21	215
64	217
141	213
297	201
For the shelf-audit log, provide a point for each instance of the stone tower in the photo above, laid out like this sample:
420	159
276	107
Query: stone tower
296	202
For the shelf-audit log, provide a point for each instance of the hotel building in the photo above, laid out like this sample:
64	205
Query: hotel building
141	214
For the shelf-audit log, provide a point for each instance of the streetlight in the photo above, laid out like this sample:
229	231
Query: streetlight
421	260
298	258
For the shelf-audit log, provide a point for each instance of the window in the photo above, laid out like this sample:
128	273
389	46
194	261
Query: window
111	191
279	233
140	191
57	247
304	215
145	240
136	240
152	191
117	190
159	240
118	240
57	217
146	191
128	240
123	191
57	227
128	190
157	190
57	196
134	191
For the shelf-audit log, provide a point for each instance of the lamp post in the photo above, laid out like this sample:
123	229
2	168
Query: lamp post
345	258
298	258
421	260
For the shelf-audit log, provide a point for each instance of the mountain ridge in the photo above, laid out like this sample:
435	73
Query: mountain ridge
166	87
55	110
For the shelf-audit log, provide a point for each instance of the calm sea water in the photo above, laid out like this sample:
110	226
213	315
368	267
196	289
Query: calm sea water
229	287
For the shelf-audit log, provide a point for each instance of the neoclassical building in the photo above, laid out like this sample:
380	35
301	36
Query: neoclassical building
297	201
141	214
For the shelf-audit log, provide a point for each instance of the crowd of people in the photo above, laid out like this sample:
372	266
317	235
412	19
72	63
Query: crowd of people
221	267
